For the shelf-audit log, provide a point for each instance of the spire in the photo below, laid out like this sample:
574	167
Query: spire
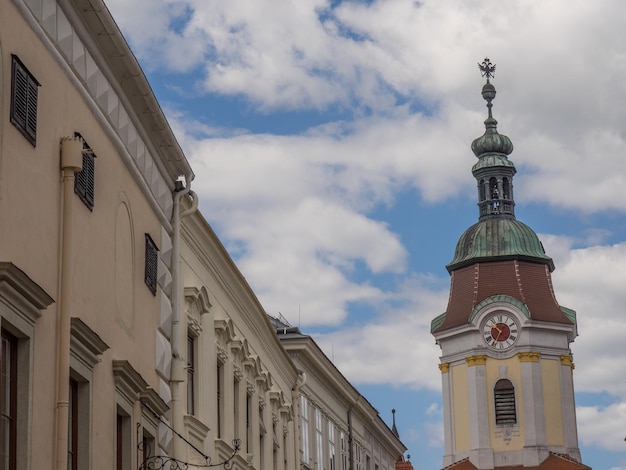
497	235
493	172
394	429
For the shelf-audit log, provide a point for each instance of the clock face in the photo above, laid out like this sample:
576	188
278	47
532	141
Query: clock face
500	331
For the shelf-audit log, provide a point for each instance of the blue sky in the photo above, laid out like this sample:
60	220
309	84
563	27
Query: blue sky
331	145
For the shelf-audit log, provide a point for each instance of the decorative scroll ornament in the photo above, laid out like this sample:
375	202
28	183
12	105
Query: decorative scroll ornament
164	462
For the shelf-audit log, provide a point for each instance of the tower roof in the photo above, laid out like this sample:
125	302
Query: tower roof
498	238
497	235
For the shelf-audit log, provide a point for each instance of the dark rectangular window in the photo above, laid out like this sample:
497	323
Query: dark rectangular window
84	180
219	384
122	441
147	448
72	441
191	366
151	264
24	91
8	402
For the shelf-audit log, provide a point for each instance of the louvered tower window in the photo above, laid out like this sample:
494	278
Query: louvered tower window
151	264
84	180
24	91
504	398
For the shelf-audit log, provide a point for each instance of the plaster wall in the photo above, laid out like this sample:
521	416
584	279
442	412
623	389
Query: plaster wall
108	292
552	401
461	407
497	369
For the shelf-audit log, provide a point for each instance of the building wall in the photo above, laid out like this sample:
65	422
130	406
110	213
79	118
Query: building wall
115	336
85	283
240	355
337	419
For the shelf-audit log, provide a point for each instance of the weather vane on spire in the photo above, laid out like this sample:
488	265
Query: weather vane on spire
487	69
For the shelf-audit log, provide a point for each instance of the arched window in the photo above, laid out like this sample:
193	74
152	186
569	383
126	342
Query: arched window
494	194
506	189
504	399
493	188
481	191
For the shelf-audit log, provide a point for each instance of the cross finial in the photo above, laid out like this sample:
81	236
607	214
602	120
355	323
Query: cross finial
487	69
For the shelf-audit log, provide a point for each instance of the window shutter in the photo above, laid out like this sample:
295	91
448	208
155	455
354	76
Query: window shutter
24	96
504	398
151	264
84	180
89	178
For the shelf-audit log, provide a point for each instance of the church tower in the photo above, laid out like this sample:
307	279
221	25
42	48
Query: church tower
506	366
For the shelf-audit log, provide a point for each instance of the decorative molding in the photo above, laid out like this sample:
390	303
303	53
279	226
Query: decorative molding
500	301
197	430
199	298
20	293
85	344
128	382
224	329
477	360
157	407
529	356
568	360
507	433
444	367
194	324
237	372
222	355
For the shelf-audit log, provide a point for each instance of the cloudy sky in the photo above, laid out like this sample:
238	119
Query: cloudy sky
330	141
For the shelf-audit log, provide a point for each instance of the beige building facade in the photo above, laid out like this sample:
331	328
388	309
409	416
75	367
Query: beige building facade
129	336
88	166
339	428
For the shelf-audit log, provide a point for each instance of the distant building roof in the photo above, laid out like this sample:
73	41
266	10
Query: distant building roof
553	462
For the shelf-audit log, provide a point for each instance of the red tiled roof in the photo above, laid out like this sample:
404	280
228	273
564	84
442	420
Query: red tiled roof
553	462
404	466
528	282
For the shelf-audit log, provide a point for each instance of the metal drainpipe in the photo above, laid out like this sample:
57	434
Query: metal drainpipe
177	372
71	162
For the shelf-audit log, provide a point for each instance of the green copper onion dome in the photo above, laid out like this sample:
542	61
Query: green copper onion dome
497	235
501	238
491	142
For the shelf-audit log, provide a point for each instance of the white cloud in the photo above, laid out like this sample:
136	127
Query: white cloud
592	282
395	347
603	427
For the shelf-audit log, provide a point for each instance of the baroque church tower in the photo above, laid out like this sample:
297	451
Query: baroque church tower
506	366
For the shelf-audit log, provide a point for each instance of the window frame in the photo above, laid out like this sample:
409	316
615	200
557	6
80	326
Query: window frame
304	430
10	413
21	305
24	99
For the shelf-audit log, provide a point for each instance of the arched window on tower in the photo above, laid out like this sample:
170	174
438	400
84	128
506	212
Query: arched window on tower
506	189
504	399
495	195
481	191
